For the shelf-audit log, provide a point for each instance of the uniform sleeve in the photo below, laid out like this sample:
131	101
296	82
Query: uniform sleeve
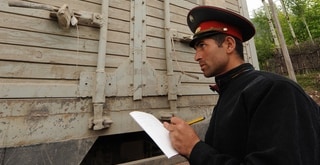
203	154
283	128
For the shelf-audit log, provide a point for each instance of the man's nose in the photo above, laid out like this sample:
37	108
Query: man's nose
197	56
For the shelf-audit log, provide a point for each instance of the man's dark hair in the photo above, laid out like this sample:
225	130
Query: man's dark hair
219	38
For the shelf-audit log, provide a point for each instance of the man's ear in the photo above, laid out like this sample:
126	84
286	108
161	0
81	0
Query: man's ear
230	43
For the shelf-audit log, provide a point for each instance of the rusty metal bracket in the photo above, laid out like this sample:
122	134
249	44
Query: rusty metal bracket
86	88
98	121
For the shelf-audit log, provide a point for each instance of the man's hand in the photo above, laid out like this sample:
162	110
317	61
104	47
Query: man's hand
183	137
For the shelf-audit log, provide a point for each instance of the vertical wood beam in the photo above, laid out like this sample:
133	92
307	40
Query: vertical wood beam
283	44
249	46
172	84
138	45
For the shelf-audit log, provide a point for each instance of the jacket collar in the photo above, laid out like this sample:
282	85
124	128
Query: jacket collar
223	80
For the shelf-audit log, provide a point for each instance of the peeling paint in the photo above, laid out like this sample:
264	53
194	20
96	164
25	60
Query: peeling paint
38	114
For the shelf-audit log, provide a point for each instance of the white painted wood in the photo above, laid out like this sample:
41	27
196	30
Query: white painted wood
250	48
218	3
36	90
46	73
26	122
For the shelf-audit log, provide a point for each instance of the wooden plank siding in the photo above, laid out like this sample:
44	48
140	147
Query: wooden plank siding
32	36
38	38
47	73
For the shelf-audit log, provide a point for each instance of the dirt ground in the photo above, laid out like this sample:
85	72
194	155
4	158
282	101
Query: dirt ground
315	95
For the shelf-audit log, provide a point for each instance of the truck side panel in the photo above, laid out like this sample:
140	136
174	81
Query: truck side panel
48	75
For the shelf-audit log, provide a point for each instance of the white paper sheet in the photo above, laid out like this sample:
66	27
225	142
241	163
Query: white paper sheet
155	129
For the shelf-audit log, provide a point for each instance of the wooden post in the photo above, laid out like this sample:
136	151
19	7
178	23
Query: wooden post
283	45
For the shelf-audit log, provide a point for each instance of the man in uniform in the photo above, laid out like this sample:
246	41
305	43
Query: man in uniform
261	118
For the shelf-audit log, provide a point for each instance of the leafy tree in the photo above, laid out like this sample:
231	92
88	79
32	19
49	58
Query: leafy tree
301	12
312	15
263	38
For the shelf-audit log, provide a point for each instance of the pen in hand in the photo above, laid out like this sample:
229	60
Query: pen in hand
196	120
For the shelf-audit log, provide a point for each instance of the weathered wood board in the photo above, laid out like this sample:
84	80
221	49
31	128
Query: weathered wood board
47	74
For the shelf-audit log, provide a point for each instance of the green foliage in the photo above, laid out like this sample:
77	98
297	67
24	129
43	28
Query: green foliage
298	10
313	18
263	39
297	7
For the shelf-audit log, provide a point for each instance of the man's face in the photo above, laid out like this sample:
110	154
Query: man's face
212	58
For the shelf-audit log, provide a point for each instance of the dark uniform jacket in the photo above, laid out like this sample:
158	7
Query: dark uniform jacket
260	119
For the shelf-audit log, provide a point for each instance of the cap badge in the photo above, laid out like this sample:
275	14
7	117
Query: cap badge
198	30
191	18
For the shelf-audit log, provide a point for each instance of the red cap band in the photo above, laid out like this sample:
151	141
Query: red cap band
220	27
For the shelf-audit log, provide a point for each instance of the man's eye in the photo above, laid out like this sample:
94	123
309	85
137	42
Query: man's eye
200	46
